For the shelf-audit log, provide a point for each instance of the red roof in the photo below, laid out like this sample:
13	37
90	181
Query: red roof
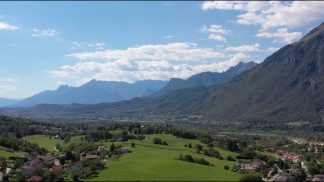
35	179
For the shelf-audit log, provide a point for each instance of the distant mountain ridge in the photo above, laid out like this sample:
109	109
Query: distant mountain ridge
93	92
286	87
205	79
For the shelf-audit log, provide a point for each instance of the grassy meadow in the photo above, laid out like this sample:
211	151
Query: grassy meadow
7	154
149	162
43	141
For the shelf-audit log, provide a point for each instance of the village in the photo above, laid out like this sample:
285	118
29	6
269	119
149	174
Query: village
293	165
70	165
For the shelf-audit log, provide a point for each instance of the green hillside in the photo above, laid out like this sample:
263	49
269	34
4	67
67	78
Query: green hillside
43	141
149	162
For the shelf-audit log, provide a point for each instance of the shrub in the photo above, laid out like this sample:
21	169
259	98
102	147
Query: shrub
230	158
157	141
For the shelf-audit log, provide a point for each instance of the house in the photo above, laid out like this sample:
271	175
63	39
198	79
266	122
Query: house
284	177
48	159
35	179
254	165
31	156
124	150
102	148
35	163
25	169
257	164
318	177
290	157
56	169
92	157
84	156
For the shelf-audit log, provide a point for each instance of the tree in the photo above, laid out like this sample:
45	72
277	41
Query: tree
112	147
62	160
157	140
230	158
3	164
199	147
68	155
226	167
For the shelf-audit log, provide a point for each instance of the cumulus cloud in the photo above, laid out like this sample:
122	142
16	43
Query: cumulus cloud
43	33
244	48
282	34
179	51
271	15
7	26
216	32
161	61
216	37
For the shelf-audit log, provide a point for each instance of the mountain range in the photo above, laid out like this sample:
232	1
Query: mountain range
95	91
287	86
205	79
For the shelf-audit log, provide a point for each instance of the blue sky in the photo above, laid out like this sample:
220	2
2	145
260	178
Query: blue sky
46	44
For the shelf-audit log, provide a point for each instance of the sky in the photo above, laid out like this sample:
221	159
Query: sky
47	44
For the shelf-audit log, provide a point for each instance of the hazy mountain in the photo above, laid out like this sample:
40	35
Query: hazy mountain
93	92
287	86
206	78
7	102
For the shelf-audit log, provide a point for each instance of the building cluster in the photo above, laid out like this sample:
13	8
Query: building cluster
315	147
256	164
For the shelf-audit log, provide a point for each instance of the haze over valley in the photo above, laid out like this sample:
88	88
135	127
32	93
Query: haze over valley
162	91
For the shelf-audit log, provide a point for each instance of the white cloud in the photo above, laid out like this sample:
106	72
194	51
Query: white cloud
216	37
95	45
273	14
7	26
179	51
43	33
161	61
226	5
7	85
218	29
216	32
272	49
282	34
244	48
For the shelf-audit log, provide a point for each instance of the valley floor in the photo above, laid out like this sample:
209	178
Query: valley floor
150	162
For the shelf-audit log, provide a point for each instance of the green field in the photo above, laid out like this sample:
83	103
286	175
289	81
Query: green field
149	162
43	141
7	154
